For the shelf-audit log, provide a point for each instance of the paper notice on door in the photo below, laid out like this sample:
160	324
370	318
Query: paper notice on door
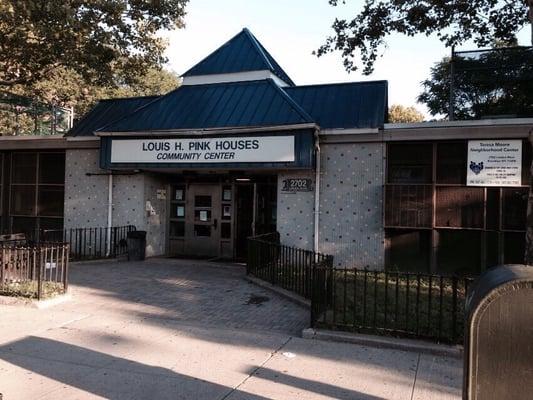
203	215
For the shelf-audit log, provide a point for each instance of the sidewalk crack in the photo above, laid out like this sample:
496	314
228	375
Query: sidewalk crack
416	375
233	390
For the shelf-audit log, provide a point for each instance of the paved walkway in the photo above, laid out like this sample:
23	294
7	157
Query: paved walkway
170	329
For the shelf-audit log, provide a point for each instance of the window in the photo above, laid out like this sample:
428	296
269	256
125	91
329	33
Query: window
459	207
451	162
459	251
177	228
52	168
471	227
409	250
37	190
51	200
177	212
514	208
23	200
24	168
408	206
410	163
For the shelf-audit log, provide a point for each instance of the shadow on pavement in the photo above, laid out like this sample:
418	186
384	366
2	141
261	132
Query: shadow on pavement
97	373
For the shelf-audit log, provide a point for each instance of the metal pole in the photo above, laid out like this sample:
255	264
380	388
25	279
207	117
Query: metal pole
109	213
317	194
452	89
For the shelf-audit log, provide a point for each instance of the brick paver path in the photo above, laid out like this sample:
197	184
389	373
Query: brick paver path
181	330
197	291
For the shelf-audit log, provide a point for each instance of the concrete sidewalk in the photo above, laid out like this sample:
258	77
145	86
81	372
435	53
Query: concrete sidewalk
105	344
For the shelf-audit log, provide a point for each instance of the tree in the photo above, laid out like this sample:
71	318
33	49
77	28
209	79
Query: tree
98	39
454	22
66	88
403	114
495	82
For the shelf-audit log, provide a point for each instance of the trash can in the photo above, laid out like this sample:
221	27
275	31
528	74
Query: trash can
136	245
499	329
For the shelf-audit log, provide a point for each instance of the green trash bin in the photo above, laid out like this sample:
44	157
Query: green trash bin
136	245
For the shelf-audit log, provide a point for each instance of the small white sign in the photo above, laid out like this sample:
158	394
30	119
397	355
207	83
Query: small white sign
207	150
494	163
161	194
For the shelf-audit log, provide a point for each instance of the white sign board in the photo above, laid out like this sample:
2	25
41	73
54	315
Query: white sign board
207	150
494	163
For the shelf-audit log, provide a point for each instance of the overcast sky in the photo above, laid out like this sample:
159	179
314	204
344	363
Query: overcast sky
291	30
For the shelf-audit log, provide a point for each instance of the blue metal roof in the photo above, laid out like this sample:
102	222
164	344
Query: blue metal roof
241	53
344	105
106	112
219	105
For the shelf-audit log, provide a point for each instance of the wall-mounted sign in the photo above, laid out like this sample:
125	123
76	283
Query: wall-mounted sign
208	150
293	185
494	163
161	194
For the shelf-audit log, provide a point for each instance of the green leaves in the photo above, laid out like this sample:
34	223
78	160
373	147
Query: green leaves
486	83
361	39
98	39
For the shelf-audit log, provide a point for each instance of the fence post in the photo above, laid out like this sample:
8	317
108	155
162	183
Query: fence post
313	295
249	255
454	309
39	275
2	266
66	249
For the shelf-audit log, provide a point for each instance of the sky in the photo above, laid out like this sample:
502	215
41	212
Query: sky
291	30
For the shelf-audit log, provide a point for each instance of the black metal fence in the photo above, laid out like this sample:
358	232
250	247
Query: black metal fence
395	303
92	243
284	266
35	271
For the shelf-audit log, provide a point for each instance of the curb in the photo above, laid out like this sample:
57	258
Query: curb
382	342
282	292
31	303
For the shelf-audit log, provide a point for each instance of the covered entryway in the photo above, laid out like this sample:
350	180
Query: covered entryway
211	216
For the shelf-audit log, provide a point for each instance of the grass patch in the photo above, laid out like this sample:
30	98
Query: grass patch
28	289
395	304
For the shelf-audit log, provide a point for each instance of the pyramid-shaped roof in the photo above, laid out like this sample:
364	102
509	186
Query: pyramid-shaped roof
242	53
219	105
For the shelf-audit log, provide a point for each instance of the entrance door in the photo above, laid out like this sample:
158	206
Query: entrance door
245	218
202	227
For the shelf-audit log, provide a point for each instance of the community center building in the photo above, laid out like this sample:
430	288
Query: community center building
238	149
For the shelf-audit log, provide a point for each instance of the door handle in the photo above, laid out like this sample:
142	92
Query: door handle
215	223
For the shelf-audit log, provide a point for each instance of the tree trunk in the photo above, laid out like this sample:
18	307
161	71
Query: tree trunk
528	256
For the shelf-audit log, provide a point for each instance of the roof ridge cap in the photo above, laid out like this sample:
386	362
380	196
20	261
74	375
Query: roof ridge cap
258	48
291	102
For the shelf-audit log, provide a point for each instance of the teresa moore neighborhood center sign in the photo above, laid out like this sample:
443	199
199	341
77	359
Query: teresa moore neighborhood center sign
207	150
494	163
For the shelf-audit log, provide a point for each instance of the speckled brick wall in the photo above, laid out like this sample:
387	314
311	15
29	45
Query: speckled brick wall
128	200
295	213
85	196
86	199
351	204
